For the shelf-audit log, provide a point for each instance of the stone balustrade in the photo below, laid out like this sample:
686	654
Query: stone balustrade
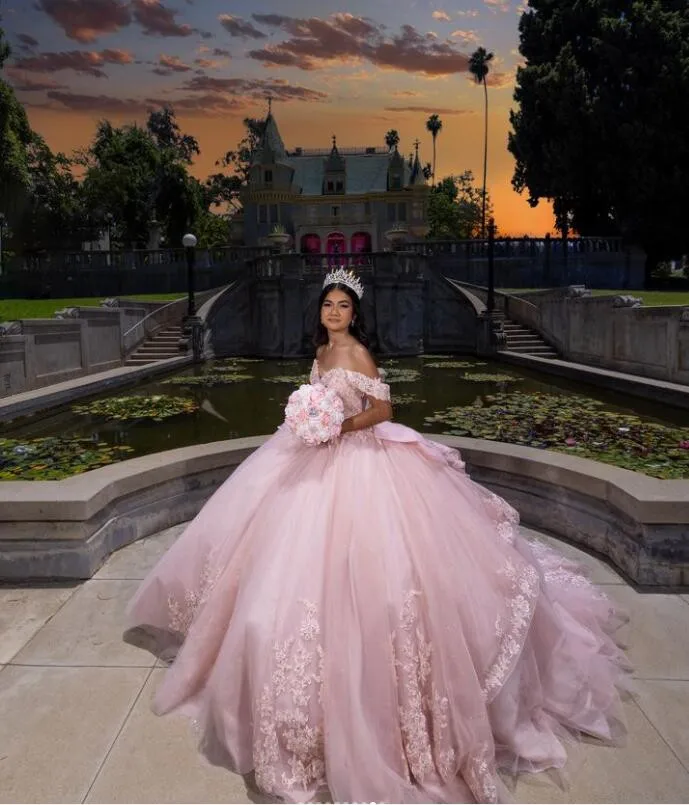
66	529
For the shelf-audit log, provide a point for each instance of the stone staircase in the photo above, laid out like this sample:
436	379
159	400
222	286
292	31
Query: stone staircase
522	339
164	344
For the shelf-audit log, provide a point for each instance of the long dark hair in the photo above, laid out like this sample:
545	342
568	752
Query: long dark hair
357	328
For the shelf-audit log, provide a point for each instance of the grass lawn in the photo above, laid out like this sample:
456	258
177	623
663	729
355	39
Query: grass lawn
12	309
648	297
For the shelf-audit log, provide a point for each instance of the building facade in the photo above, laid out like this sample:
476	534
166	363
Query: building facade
342	200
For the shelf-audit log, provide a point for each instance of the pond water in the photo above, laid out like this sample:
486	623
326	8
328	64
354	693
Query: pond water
420	388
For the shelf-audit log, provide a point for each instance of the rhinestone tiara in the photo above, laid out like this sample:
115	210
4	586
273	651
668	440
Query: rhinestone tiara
344	277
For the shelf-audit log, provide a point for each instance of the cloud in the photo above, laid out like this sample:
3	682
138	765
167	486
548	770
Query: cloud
99	103
209	64
431	110
27	42
466	37
236	26
87	20
498	5
406	93
167	65
25	83
471	12
87	62
158	20
500	80
316	42
254	89
222	52
441	15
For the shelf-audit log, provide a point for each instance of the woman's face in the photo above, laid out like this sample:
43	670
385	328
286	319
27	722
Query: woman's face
336	311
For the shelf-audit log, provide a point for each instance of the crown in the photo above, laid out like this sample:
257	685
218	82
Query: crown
344	277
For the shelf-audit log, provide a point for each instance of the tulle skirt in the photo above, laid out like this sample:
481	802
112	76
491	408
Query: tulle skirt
361	617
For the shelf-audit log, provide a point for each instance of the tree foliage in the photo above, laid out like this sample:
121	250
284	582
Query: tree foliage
454	208
136	175
434	125
223	188
392	139
602	127
479	67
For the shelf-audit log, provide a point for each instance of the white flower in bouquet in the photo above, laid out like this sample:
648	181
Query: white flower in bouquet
314	413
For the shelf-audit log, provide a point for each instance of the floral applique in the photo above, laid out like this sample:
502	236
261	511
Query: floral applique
288	734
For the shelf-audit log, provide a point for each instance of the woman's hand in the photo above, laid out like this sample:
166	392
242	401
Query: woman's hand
347	426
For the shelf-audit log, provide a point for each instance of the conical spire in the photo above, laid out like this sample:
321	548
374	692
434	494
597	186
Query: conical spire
335	161
271	148
417	177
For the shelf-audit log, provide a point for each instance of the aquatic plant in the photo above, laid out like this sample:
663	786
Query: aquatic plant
571	424
156	407
55	457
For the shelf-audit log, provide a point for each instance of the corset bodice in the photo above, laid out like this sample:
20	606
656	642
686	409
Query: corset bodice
352	387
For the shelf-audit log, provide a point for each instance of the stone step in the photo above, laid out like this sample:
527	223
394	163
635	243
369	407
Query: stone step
530	350
153	347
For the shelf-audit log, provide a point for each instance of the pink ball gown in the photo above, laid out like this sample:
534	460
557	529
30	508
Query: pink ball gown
360	617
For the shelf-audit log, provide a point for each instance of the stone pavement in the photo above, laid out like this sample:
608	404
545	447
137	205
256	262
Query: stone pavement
76	725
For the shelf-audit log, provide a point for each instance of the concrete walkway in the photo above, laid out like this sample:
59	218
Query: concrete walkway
76	725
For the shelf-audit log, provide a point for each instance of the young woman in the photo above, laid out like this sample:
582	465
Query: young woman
361	617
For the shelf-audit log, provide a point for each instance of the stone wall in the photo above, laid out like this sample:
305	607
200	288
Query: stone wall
39	352
611	332
66	529
408	308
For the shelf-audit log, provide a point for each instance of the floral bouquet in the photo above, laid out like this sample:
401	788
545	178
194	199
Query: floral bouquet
314	413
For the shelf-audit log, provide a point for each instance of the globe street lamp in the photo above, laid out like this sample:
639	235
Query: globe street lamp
2	226
193	324
189	241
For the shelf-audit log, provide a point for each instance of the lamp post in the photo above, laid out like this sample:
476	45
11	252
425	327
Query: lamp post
490	305
2	227
189	241
193	325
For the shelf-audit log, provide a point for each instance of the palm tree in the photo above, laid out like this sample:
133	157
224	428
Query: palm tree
479	68
434	124
392	139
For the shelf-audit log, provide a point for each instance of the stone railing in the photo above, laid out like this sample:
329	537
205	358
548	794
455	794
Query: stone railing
80	341
163	316
613	332
66	529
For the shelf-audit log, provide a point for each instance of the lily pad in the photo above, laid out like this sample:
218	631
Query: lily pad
208	379
156	407
572	424
454	365
406	399
53	458
401	375
485	377
293	380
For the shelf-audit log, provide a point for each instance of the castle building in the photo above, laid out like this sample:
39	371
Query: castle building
341	200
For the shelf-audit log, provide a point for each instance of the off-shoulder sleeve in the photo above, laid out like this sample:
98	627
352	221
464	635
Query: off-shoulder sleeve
313	377
372	386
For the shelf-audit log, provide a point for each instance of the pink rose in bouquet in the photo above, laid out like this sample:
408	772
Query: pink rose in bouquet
314	413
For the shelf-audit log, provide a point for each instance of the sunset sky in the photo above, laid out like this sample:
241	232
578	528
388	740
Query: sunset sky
382	64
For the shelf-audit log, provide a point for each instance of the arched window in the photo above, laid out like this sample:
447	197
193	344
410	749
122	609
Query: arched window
311	244
361	244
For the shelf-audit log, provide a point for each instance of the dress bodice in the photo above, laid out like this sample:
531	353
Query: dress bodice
352	387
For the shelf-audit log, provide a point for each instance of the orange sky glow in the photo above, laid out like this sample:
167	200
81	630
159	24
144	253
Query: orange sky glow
356	74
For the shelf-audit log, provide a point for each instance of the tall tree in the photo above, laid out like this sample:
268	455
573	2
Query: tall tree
136	175
479	67
454	208
434	124
392	139
163	127
222	188
602	125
